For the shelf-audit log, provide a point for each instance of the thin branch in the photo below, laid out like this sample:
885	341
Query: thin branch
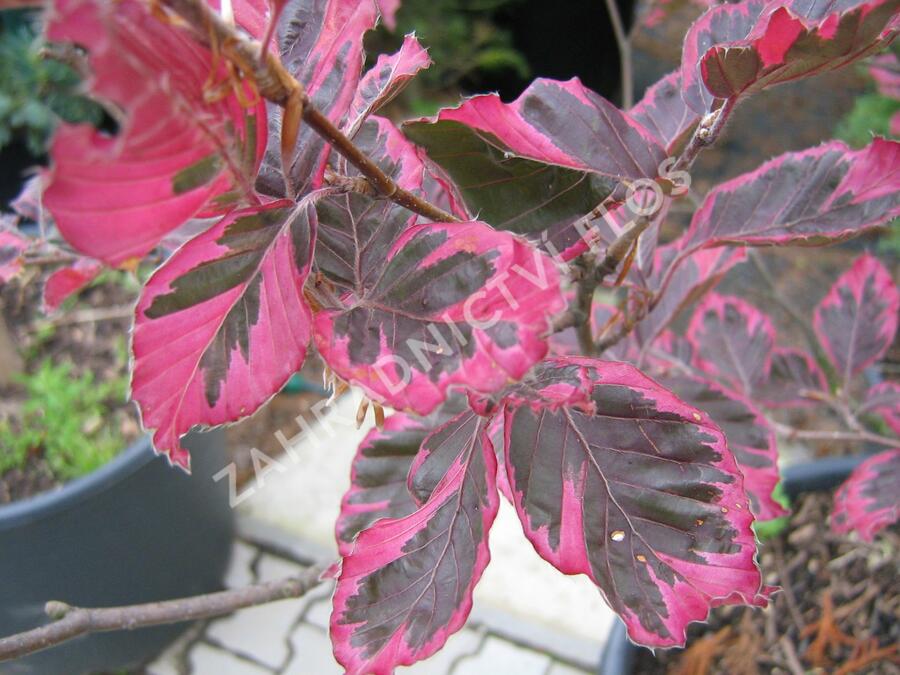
623	42
584	305
71	622
707	132
277	85
860	436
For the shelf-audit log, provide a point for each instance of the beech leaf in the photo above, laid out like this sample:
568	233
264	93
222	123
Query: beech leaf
749	436
387	78
814	197
884	399
741	48
733	341
616	478
793	380
869	501
450	305
223	324
176	155
540	163
66	281
407	586
857	319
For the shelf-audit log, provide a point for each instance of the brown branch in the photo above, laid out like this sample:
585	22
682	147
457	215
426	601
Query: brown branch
71	622
860	436
706	134
277	85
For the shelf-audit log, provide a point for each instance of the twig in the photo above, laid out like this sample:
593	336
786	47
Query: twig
619	249
790	655
584	305
277	85
791	433
93	314
623	42
71	622
706	134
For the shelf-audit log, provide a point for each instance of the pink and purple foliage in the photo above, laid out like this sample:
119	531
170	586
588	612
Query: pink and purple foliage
869	501
642	470
857	320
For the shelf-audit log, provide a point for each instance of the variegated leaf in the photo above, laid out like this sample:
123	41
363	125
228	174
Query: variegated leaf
387	78
857	319
616	478
884	399
814	197
537	165
451	305
869	501
749	435
407	586
223	324
794	379
741	48
733	341
321	44
176	153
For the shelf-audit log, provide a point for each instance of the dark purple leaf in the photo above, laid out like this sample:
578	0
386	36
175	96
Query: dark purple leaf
884	399
537	165
814	197
616	478
407	586
733	341
857	319
794	379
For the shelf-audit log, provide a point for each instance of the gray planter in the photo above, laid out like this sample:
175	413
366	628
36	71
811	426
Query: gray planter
134	531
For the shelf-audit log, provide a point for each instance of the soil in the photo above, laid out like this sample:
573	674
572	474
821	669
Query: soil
837	613
87	337
93	334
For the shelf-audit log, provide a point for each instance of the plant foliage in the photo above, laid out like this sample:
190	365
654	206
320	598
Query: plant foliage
643	470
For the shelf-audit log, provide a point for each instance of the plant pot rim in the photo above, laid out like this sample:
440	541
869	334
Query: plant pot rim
49	503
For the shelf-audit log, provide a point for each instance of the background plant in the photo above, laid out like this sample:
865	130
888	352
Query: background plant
437	258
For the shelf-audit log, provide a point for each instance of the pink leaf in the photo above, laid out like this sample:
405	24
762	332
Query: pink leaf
737	49
450	305
68	280
733	341
885	70
814	197
114	198
884	399
857	319
387	78
616	478
223	324
794	379
537	165
12	249
407	586
869	501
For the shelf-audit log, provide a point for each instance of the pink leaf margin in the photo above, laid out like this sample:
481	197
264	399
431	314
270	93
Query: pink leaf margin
868	501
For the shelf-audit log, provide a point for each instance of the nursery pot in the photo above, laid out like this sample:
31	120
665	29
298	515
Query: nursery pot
134	531
620	654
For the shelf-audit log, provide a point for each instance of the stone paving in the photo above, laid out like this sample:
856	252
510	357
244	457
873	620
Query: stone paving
291	637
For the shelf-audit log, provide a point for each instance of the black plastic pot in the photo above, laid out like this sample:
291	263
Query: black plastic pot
620	653
134	531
